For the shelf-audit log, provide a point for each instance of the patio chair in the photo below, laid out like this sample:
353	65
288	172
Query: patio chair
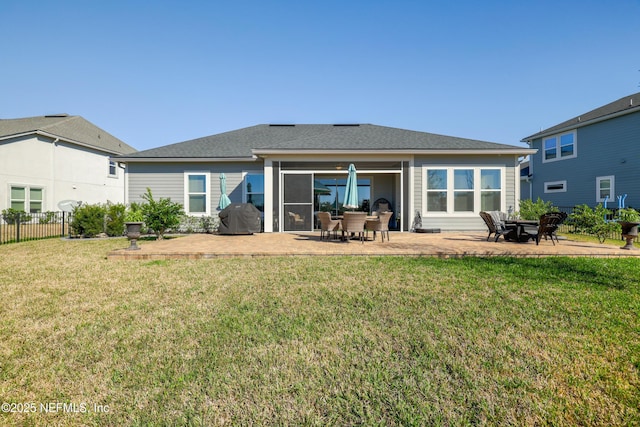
327	225
549	223
381	205
296	222
353	222
495	227
495	224
381	224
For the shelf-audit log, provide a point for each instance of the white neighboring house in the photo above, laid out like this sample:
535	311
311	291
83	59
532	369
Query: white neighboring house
47	159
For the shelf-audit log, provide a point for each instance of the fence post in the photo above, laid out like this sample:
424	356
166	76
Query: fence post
18	220
63	217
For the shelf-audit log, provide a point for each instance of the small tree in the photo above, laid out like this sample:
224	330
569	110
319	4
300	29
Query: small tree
534	210
593	221
160	215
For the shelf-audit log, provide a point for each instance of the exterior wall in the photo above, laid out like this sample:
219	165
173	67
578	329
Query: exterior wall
607	148
64	172
167	180
464	221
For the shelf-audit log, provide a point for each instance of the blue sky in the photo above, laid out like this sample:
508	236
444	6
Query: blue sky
154	73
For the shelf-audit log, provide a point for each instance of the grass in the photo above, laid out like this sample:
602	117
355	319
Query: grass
316	340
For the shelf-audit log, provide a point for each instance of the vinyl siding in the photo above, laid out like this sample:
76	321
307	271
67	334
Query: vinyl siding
468	221
607	148
167	180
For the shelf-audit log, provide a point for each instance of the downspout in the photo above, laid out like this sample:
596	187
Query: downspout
53	173
125	188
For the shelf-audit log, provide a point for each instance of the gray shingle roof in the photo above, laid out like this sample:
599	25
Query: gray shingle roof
361	137
69	128
627	104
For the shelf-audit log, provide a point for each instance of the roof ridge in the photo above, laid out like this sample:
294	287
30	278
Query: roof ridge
63	119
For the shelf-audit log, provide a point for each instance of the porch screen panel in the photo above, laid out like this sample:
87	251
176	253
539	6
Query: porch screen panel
298	202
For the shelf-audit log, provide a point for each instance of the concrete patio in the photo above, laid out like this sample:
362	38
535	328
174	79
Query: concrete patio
442	245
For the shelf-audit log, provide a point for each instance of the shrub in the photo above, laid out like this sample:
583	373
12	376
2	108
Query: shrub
115	219
47	217
195	224
161	215
628	215
606	229
534	210
11	216
593	221
584	219
88	220
134	213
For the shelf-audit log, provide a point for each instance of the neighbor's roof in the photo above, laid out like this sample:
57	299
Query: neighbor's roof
628	104
73	129
266	139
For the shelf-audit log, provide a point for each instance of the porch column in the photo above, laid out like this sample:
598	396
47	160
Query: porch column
268	196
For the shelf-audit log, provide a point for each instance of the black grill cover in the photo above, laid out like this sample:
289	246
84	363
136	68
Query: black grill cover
239	218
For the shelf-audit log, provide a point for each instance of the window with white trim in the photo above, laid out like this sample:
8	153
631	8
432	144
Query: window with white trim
463	190
605	186
26	199
559	147
197	194
555	187
254	190
113	168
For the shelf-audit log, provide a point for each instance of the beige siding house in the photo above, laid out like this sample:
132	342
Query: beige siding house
48	159
302	169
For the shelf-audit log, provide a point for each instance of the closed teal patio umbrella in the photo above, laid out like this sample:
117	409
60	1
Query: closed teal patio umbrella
351	190
224	199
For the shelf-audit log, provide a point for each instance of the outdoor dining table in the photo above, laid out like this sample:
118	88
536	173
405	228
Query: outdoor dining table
368	219
516	229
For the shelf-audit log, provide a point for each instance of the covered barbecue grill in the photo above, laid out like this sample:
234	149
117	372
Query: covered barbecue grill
239	218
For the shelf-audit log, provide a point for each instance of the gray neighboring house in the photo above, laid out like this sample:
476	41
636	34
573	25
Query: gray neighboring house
302	169
47	159
589	157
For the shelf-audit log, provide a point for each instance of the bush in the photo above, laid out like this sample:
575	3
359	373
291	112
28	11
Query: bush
134	213
115	219
88	220
11	216
593	221
202	224
161	215
584	219
534	210
47	218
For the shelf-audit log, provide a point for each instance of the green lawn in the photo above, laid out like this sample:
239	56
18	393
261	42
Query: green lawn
315	340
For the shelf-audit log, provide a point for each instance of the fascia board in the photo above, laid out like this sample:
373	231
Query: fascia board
184	159
523	151
59	138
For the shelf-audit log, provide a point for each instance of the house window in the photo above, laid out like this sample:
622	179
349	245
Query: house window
113	168
490	189
26	199
254	190
197	193
559	147
436	190
463	190
463	186
605	188
555	187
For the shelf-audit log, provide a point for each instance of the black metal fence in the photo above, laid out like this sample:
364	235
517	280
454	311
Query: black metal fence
20	226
